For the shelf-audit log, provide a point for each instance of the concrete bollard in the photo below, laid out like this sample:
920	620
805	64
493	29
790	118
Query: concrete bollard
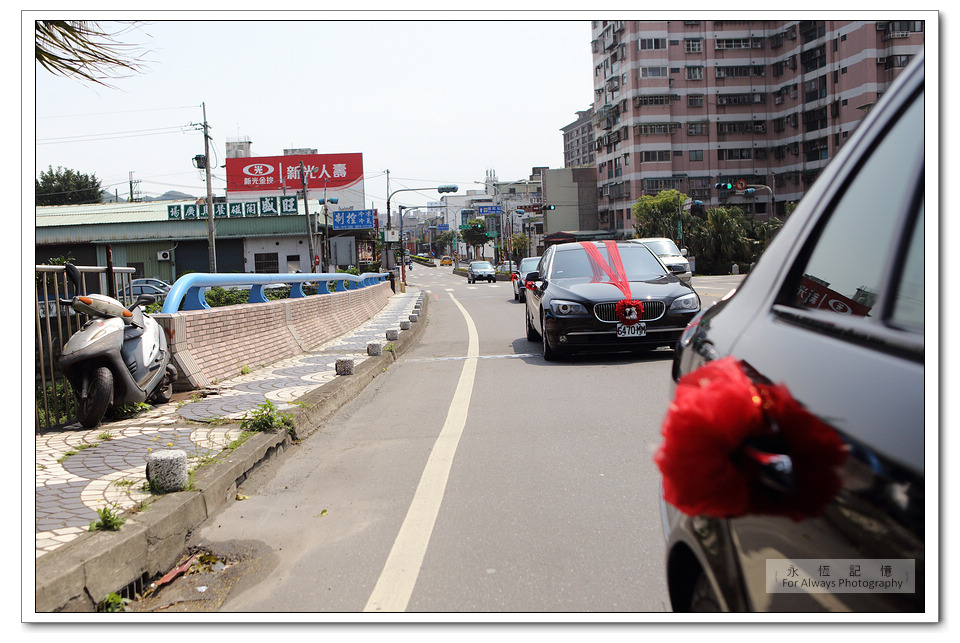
374	349
405	325
393	334
414	317
345	366
167	470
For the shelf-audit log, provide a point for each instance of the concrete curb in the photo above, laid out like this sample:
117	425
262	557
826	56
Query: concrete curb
78	575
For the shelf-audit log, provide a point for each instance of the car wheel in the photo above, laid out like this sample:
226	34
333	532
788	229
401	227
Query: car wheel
532	334
549	353
703	599
516	296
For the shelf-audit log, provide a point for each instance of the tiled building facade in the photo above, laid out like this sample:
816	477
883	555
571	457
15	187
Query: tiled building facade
687	104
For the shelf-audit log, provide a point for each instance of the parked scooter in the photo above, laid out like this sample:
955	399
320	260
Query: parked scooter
118	357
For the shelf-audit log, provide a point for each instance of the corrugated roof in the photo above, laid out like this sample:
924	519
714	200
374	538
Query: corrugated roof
98	213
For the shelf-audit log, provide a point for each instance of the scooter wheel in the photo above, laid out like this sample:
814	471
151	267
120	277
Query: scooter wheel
163	394
94	407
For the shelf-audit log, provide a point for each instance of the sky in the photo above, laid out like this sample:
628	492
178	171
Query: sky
434	101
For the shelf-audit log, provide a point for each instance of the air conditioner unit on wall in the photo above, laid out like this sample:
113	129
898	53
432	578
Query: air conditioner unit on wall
163	255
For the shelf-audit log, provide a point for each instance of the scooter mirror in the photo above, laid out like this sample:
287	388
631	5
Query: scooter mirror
73	274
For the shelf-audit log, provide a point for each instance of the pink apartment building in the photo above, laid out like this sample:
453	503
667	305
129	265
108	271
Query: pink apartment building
687	104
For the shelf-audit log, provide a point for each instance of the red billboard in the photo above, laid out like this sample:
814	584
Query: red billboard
280	173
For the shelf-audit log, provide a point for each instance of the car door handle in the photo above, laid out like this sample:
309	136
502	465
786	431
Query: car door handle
775	469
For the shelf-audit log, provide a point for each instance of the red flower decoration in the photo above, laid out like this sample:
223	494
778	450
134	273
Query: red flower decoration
629	311
709	464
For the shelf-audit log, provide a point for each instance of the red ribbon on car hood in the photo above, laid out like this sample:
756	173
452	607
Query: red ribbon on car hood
617	276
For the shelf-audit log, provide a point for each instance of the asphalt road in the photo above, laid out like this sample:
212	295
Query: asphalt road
470	477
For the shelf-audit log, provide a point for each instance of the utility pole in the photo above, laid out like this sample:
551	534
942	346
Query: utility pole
306	210
211	235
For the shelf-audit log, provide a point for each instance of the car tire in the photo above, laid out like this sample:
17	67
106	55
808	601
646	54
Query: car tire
703	599
516	296
550	354
532	334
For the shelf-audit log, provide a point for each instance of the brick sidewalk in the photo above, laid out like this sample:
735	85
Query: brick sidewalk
80	470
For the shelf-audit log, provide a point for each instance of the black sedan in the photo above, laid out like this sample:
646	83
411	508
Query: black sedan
793	452
527	265
605	295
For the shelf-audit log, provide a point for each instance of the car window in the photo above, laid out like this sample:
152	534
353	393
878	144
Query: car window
638	263
908	300
845	270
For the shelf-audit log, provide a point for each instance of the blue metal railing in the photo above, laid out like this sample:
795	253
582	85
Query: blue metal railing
189	288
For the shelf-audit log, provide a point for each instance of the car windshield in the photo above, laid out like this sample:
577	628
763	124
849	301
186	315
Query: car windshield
529	264
482	265
638	263
662	247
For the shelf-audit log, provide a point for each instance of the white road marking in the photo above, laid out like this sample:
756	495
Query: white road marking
395	585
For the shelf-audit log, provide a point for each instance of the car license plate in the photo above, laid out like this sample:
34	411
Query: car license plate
636	330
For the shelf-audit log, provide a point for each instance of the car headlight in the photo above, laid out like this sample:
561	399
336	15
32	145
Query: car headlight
685	303
562	308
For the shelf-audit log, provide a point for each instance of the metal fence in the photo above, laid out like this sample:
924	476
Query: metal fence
55	400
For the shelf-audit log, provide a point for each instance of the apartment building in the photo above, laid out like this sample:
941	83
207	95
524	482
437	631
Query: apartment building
578	146
687	104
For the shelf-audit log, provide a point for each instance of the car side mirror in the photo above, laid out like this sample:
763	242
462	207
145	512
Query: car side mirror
683	252
533	276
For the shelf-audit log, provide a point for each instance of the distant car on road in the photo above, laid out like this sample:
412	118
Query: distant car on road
507	266
149	281
481	270
527	265
671	256
446	261
135	290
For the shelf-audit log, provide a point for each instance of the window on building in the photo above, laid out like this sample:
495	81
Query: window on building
693	45
653	72
655	156
266	262
696	155
695	100
695	73
652	43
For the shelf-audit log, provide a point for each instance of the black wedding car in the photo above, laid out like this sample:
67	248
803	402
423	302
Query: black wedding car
572	302
831	319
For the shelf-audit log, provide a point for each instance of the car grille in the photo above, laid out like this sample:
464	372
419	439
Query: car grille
652	310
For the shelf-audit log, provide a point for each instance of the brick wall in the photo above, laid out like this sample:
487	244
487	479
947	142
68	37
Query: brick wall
214	344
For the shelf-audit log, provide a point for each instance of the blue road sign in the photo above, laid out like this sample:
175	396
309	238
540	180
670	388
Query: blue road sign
443	227
491	209
352	219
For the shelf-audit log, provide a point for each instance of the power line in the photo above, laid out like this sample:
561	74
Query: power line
87	138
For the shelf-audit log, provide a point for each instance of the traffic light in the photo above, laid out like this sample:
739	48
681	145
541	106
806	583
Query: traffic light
549	207
723	186
447	188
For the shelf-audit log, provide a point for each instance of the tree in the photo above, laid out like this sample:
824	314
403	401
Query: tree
719	241
656	215
521	246
83	48
445	240
67	187
476	234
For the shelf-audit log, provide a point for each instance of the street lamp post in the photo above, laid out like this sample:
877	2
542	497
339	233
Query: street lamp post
500	201
384	263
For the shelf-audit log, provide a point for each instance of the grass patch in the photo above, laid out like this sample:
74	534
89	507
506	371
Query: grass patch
110	519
